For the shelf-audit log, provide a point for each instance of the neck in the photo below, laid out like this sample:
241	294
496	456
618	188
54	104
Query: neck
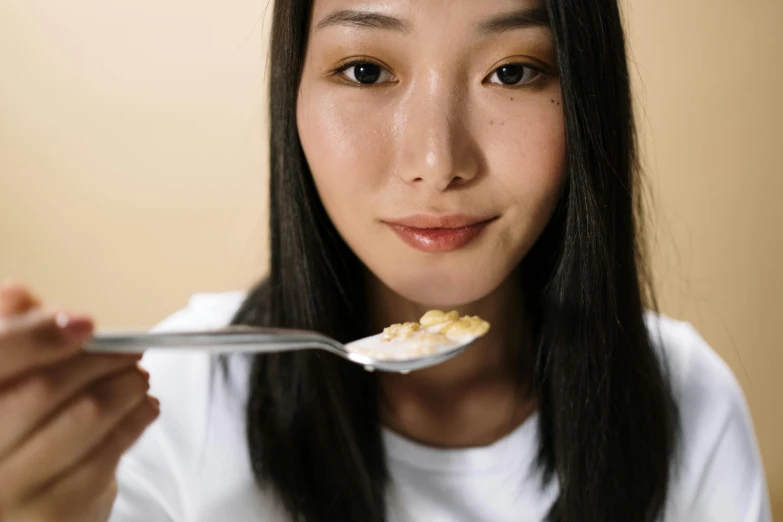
473	399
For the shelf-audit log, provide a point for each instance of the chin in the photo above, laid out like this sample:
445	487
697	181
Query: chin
446	289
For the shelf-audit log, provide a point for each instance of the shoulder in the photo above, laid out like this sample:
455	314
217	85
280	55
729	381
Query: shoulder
179	374
157	477
204	310
719	475
698	375
172	373
182	380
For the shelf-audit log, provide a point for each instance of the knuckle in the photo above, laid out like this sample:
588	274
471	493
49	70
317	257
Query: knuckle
38	389
133	382
131	429
142	382
45	333
88	409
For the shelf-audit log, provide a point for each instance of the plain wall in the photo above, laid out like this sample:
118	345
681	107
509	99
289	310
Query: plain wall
132	164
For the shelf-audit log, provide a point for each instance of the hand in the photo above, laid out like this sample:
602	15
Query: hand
66	417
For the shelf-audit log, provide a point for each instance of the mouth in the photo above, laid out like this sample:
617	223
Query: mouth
439	234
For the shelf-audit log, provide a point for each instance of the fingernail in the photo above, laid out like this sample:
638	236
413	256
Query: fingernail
73	327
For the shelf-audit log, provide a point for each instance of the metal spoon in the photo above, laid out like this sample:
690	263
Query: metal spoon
250	339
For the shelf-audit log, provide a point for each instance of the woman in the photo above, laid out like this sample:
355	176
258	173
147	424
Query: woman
477	156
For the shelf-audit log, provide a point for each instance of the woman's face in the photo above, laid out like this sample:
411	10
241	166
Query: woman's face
434	132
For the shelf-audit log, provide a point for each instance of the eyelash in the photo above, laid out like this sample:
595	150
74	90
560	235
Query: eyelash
538	74
353	62
340	69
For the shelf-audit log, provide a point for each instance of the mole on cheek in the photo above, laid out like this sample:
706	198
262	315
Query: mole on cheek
492	122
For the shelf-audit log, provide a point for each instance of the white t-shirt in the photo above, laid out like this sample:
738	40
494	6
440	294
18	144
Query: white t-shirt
192	464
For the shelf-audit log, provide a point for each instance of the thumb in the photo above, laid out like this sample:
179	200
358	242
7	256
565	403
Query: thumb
16	299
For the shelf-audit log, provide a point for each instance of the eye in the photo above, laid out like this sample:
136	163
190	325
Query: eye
365	73
514	75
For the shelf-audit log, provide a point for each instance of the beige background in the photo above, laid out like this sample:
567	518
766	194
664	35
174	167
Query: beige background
132	164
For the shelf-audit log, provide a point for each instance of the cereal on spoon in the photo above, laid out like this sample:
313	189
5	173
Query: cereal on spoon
436	331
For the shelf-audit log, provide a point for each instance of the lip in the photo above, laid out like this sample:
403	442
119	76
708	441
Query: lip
439	234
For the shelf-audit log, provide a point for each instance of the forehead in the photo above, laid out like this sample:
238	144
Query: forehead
419	14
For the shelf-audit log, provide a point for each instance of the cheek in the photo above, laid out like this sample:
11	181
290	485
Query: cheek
525	152
340	140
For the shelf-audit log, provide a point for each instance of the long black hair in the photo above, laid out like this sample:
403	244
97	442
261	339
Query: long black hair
607	419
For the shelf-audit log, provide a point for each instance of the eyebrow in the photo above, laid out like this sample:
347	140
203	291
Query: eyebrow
364	19
520	19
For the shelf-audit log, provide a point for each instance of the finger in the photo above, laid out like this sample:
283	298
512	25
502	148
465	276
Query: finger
32	400
39	338
97	505
16	299
74	432
93	478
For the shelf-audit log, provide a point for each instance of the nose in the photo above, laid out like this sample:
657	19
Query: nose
436	148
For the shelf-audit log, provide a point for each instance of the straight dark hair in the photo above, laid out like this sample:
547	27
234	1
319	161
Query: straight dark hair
607	419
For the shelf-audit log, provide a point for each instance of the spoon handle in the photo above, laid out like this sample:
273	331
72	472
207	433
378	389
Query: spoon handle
222	340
